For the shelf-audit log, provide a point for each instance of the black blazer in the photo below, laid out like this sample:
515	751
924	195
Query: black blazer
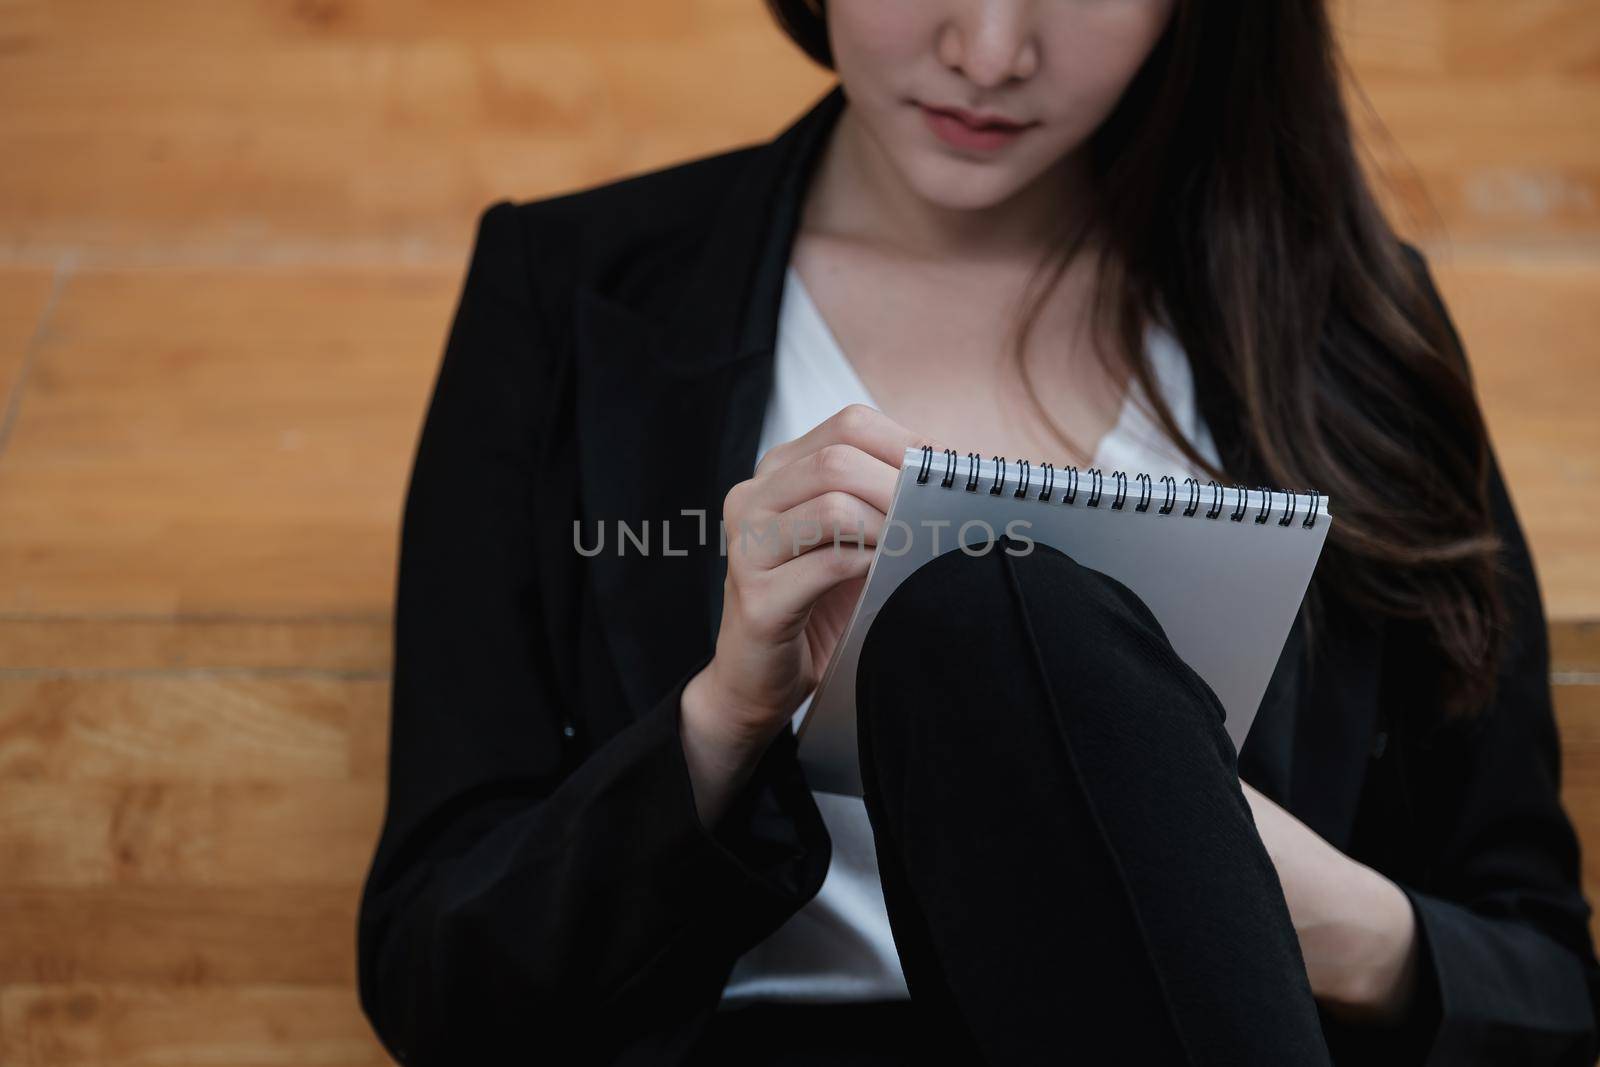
543	883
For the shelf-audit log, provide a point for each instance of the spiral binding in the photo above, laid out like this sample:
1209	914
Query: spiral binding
1143	493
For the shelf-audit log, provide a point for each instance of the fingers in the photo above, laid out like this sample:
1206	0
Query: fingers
832	493
837	467
865	428
776	602
832	518
811	515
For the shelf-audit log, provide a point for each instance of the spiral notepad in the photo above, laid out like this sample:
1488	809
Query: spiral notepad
1196	554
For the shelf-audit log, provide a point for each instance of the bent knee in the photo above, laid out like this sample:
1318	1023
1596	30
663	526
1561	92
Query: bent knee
971	586
967	621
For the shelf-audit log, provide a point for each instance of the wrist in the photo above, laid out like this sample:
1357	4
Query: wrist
1375	978
721	753
717	723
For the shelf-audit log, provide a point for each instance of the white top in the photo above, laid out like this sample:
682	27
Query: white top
839	947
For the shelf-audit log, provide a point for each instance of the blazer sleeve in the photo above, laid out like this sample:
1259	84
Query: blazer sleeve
1509	972
521	897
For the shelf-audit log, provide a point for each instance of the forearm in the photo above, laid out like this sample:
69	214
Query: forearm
1357	929
545	911
719	764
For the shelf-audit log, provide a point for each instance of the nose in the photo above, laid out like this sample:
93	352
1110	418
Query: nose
991	42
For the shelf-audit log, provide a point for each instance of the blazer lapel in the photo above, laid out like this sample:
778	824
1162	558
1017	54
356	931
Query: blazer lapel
671	394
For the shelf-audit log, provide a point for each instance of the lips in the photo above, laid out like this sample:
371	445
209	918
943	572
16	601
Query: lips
979	120
973	131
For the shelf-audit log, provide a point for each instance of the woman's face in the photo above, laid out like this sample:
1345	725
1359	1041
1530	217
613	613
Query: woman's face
972	100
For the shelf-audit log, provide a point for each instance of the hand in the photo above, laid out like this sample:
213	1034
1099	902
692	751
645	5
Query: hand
1357	930
801	533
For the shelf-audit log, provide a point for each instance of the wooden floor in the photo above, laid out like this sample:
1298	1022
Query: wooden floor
231	233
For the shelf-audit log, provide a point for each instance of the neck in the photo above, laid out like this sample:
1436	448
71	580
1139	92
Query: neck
858	190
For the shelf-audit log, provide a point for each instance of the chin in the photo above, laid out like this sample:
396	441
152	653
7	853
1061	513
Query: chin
961	185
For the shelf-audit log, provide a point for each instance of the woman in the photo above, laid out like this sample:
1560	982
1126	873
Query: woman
1033	229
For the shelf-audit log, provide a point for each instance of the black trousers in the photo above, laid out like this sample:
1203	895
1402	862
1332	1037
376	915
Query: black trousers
1071	870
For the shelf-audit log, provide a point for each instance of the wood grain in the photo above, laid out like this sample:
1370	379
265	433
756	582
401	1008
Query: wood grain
235	834
1476	115
24	304
204	727
354	644
219	440
1532	329
84	1025
199	936
337	129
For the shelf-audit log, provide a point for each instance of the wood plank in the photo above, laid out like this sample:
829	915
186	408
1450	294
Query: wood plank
1532	331
1385	40
188	935
353	645
220	441
1575	648
233	834
1441	39
1496	160
1478	115
198	728
1531	38
1578	719
24	294
368	738
239	24
376	127
163	1026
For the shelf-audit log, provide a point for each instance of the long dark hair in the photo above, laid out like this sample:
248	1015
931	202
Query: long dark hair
1232	208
